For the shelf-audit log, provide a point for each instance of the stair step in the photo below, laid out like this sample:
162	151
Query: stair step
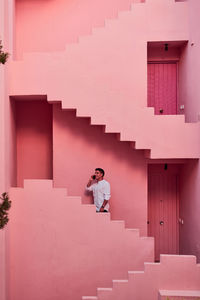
173	271
74	199
120	280
90	207
167	258
120	224
37	183
179	294
89	298
131	274
104	289
104	216
133	230
118	283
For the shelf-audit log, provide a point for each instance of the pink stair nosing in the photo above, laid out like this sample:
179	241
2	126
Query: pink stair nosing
94	70
179	295
57	235
89	298
174	277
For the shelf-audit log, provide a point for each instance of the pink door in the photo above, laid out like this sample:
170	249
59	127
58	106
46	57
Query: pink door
162	87
163	210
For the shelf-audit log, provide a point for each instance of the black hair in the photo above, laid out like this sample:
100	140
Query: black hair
100	170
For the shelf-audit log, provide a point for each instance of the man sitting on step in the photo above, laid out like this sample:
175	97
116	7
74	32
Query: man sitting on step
101	190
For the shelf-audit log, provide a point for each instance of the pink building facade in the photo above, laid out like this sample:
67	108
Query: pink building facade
111	84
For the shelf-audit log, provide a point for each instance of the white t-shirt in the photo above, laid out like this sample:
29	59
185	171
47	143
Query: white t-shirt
101	192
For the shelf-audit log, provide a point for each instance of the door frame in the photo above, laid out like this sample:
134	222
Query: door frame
175	61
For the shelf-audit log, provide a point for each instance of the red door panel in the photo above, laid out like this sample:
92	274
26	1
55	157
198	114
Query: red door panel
162	87
163	212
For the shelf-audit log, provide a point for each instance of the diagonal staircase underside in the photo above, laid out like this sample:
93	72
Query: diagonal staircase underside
102	67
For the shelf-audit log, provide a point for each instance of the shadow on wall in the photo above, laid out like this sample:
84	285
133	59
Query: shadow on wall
33	123
79	148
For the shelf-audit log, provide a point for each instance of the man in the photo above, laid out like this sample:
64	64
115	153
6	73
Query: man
101	190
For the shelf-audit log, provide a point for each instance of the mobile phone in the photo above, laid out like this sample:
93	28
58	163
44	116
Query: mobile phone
94	177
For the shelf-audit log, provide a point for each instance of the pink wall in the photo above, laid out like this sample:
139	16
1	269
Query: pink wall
190	94
7	135
79	148
61	249
3	121
190	66
34	140
190	209
38	31
64	22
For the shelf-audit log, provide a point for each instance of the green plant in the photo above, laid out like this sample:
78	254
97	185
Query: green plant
4	207
3	55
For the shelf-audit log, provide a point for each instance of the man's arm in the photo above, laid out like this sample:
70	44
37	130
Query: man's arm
106	196
103	205
89	184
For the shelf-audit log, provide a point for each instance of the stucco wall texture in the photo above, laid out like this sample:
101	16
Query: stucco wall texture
74	97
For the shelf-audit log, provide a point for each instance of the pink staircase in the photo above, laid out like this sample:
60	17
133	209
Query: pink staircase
62	249
175	277
89	73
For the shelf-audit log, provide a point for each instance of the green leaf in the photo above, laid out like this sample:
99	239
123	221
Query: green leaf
4	207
